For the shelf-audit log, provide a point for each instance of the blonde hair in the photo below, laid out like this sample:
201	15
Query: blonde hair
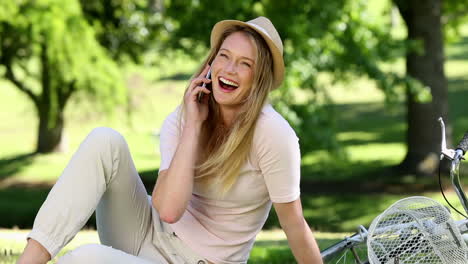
224	151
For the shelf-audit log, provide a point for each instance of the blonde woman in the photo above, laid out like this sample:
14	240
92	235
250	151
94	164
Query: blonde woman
226	157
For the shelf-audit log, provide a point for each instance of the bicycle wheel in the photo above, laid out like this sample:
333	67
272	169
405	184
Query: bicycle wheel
351	250
354	255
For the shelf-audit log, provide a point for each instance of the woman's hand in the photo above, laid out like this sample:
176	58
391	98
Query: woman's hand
174	187
197	112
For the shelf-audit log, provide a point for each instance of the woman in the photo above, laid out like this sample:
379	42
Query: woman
224	160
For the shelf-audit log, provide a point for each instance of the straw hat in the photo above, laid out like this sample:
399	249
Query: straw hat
265	28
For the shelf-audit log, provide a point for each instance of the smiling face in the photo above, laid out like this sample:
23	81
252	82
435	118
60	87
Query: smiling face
232	70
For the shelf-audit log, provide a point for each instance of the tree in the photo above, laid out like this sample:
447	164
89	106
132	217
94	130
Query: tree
49	52
126	28
428	24
425	63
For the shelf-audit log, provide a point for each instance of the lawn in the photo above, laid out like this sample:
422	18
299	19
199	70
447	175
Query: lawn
271	246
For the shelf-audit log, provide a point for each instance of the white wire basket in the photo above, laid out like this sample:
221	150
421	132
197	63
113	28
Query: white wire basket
415	230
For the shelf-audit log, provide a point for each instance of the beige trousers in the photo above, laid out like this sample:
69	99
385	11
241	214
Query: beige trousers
101	176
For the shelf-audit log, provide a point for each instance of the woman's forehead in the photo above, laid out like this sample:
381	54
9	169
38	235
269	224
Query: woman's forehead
241	45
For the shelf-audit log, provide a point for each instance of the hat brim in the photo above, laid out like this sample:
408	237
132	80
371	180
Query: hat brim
278	62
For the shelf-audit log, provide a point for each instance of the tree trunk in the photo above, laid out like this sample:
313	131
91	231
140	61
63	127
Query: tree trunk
423	21
50	108
50	131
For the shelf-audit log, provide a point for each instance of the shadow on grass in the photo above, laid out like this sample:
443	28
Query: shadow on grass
278	251
364	124
458	97
338	171
375	121
176	77
149	179
462	53
384	124
14	164
19	206
340	212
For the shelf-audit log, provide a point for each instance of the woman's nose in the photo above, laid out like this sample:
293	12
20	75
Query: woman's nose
231	67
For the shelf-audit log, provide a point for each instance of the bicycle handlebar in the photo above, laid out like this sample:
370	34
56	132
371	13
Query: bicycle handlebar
463	145
455	156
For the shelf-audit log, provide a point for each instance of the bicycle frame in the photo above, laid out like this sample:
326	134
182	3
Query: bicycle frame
455	156
347	243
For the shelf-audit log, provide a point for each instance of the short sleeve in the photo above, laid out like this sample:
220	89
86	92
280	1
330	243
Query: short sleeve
279	158
168	139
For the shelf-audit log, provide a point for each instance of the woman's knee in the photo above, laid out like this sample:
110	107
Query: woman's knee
105	133
101	135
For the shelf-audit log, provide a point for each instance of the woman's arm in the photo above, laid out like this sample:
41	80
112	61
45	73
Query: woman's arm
300	238
174	186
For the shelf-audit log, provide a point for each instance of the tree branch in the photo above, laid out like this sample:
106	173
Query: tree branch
64	96
12	78
27	71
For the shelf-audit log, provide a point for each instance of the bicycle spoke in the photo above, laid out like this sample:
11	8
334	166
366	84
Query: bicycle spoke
347	256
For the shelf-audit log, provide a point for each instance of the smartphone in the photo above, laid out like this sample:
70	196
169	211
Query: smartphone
200	94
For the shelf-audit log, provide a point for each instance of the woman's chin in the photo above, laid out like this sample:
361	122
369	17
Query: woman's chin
224	98
225	102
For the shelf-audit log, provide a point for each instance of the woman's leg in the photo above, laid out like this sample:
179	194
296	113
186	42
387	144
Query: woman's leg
100	254
100	171
123	215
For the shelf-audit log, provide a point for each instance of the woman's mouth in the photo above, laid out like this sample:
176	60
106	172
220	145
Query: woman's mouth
227	85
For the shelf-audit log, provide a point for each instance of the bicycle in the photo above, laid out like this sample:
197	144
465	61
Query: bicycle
354	249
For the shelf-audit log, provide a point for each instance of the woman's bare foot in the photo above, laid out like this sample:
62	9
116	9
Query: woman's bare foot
34	253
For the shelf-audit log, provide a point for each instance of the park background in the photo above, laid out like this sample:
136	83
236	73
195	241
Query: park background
125	64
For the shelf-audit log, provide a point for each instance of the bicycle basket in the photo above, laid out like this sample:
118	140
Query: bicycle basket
415	230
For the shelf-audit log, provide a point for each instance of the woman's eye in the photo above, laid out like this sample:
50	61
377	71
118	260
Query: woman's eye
223	55
246	64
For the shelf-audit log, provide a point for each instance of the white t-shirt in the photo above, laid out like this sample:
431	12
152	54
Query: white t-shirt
224	230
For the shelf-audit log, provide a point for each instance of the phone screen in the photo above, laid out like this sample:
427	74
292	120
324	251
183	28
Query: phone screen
208	86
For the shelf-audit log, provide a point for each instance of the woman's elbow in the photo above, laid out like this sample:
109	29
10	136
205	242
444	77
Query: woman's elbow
168	214
170	217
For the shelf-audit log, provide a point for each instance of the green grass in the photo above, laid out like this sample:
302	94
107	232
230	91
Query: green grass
153	102
13	241
270	247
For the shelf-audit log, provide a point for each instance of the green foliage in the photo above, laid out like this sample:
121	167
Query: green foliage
50	50
454	16
126	28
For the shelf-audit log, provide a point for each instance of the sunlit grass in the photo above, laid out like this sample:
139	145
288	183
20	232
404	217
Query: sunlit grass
358	90
268	244
271	245
394	152
152	102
